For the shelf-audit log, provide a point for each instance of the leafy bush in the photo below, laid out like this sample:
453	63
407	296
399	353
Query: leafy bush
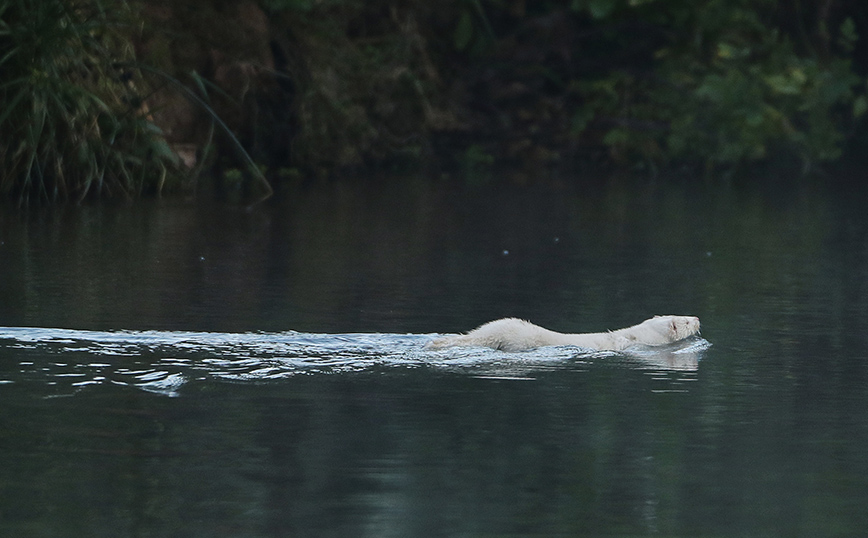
71	120
722	86
705	82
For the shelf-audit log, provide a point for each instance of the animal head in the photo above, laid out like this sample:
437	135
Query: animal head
675	328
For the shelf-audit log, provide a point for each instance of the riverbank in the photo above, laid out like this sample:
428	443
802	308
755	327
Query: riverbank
303	88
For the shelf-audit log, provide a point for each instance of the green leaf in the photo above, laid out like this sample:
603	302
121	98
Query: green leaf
754	119
464	30
151	127
783	84
600	9
163	151
616	137
848	36
860	106
581	119
726	51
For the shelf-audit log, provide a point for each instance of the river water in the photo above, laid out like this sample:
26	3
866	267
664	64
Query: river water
193	368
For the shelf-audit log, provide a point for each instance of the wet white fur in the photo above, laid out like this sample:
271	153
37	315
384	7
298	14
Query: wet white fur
511	334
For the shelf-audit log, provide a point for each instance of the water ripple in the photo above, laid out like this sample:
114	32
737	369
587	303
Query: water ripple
164	361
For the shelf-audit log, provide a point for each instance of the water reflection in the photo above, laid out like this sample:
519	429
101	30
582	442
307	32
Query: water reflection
163	361
682	356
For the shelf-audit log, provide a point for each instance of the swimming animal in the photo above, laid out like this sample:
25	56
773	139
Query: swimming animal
512	334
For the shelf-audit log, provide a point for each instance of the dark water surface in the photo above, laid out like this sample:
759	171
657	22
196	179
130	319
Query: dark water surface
180	369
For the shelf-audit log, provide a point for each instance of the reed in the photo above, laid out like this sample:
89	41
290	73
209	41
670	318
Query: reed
72	123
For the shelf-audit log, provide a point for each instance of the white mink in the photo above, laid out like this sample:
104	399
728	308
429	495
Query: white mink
512	334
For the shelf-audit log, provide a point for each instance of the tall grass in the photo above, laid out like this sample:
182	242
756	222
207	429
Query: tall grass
71	121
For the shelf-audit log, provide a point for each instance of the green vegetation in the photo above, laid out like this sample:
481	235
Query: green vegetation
708	84
71	120
724	86
314	86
